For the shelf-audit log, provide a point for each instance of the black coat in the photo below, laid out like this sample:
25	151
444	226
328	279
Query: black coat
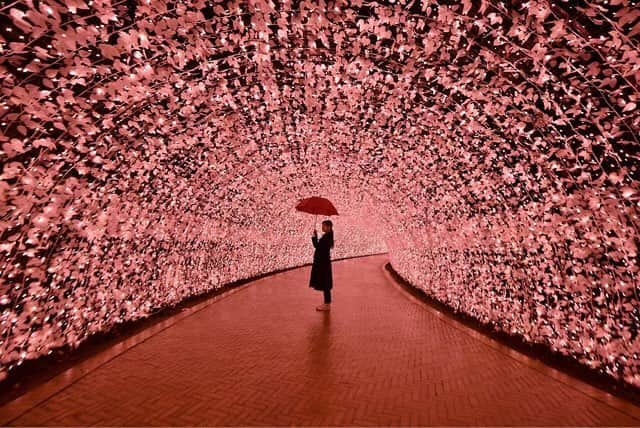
321	278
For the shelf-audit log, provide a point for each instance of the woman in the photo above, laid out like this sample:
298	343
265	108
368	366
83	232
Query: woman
321	278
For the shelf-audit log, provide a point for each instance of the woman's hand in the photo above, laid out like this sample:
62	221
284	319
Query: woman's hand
315	232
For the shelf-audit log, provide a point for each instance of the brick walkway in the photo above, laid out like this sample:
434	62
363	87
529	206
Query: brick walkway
264	356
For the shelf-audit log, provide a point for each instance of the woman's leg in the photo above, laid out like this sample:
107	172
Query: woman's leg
327	296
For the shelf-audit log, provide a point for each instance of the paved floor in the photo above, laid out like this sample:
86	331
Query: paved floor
264	356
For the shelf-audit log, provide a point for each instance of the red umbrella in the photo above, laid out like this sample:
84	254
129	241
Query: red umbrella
316	205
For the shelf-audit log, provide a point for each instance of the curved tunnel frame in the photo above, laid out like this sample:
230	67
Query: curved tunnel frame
487	131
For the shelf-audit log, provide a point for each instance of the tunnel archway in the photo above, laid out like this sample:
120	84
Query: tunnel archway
154	150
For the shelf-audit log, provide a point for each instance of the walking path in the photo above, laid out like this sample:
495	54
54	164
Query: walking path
262	355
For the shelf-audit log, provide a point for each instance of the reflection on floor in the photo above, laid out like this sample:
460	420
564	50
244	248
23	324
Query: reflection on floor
265	356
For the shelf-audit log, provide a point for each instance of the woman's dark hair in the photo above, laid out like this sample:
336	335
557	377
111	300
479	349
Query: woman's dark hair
330	233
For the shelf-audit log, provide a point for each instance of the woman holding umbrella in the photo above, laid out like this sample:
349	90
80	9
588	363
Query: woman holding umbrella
321	276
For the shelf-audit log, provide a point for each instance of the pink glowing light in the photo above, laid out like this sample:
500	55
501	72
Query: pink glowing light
154	152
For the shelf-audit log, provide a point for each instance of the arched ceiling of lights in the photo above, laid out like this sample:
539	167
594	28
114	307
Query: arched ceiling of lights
154	150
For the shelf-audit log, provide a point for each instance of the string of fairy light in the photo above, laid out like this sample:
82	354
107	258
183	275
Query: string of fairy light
151	151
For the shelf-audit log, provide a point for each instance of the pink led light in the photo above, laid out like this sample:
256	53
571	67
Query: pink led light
154	153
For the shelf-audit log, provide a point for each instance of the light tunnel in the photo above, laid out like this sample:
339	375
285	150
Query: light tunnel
152	151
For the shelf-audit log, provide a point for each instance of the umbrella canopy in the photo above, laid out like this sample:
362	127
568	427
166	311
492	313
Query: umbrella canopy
317	205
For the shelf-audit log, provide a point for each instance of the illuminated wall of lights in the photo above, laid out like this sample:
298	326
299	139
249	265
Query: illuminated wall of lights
154	150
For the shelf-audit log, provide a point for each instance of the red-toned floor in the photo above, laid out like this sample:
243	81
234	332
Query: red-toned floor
264	356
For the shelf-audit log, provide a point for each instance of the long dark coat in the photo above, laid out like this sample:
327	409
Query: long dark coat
321	277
